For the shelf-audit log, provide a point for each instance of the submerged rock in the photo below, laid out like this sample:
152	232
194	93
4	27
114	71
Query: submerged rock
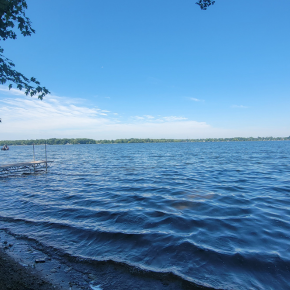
39	260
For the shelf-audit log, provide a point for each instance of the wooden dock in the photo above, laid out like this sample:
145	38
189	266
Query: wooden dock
32	166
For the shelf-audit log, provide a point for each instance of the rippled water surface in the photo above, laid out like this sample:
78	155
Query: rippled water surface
216	214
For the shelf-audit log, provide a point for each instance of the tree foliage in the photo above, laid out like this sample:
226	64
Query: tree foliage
12	13
75	141
204	4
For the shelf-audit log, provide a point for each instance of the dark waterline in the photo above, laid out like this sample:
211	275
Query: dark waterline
215	214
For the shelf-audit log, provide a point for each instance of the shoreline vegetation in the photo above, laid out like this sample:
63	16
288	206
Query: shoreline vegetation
75	141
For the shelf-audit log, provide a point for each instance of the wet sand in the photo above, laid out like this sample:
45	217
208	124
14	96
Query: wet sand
14	276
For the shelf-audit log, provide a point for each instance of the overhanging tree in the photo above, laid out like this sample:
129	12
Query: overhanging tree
204	4
12	13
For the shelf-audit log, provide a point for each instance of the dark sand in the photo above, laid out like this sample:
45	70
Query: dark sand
14	276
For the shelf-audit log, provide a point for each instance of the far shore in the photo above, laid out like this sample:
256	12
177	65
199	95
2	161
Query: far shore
78	141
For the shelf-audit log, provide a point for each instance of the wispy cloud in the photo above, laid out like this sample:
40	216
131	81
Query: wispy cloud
173	118
149	117
196	100
29	118
12	91
159	118
239	106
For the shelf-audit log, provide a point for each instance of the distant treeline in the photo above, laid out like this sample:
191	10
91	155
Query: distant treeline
67	141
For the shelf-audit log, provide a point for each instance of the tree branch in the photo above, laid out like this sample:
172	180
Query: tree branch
204	4
13	12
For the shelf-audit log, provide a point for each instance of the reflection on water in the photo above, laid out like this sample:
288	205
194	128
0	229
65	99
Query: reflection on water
216	214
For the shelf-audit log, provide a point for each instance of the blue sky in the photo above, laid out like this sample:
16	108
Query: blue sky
157	69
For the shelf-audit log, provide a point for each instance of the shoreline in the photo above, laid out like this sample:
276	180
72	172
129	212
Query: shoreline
26	264
86	141
30	267
13	275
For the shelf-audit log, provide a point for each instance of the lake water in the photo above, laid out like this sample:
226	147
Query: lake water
216	214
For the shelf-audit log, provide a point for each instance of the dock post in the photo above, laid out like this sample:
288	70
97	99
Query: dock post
45	157
33	157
